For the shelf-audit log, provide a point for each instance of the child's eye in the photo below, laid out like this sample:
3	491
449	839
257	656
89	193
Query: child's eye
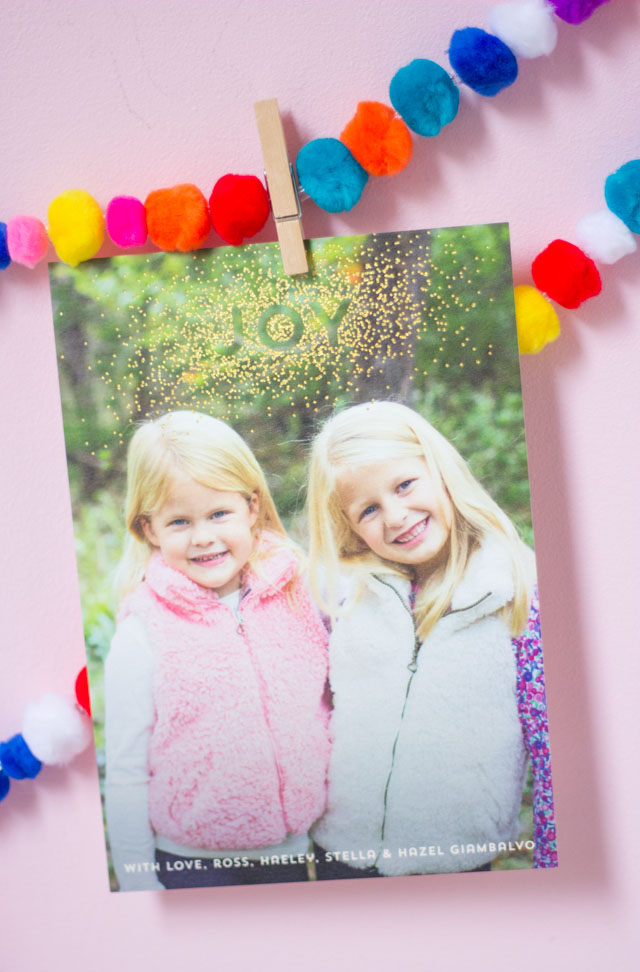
368	510
405	484
179	521
218	514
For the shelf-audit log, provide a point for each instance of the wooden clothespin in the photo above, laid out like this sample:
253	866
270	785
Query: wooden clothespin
282	187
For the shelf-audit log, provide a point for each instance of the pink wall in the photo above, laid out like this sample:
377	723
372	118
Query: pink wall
130	95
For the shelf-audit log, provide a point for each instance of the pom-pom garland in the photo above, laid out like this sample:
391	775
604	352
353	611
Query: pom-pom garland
536	320
5	256
604	237
622	194
482	61
566	274
378	139
126	220
178	218
328	172
527	27
239	207
76	226
54	730
425	97
576	11
27	240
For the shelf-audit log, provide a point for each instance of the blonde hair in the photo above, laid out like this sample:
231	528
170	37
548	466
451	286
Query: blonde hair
201	447
377	431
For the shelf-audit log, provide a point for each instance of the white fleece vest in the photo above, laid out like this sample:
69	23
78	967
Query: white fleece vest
428	762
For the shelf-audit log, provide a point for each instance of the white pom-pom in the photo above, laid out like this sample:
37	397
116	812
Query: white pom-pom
54	729
526	26
604	237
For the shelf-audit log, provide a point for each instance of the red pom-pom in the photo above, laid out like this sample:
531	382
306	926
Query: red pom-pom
82	690
177	218
378	139
566	274
239	207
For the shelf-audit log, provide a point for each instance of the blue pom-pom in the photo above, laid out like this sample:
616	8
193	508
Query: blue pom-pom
17	759
424	95
5	785
482	61
622	194
5	259
328	172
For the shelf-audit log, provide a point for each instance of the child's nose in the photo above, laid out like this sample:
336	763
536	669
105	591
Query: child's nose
202	533
394	514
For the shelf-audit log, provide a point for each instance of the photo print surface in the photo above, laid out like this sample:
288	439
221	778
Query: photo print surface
304	544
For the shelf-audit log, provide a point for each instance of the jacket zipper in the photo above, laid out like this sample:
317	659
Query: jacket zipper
412	667
241	631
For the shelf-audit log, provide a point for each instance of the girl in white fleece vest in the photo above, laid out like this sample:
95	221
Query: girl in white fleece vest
216	719
426	582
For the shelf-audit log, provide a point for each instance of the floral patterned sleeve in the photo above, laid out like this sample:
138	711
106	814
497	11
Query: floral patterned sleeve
532	708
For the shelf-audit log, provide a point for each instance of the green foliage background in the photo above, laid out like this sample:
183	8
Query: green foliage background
423	317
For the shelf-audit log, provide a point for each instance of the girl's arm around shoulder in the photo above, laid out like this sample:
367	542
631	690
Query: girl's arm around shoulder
129	717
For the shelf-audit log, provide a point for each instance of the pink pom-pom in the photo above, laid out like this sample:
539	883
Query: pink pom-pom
55	730
27	240
126	221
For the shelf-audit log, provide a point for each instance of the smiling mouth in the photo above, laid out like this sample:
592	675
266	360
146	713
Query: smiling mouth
209	560
414	533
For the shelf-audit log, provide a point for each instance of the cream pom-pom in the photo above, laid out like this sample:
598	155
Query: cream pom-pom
604	237
54	729
526	26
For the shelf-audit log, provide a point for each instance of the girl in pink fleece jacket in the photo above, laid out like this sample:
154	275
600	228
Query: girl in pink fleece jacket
216	721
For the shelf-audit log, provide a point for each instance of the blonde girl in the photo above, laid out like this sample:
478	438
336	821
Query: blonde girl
216	727
432	598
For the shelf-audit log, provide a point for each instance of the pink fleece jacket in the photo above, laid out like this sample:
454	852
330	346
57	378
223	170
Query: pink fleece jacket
240	746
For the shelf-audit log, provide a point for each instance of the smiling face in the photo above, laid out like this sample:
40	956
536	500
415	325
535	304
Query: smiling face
397	509
204	533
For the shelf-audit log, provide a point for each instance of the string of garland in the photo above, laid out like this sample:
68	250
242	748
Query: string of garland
333	172
54	731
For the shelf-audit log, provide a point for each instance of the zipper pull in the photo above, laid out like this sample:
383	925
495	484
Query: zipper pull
237	612
239	621
413	664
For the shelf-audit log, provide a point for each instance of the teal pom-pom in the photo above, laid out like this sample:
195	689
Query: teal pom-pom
424	95
482	61
622	194
5	257
17	759
5	785
328	172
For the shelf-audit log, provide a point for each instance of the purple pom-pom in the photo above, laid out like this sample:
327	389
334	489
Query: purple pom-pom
575	11
5	785
17	759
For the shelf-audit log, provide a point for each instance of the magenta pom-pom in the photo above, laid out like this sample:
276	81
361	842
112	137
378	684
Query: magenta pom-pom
126	221
576	11
27	240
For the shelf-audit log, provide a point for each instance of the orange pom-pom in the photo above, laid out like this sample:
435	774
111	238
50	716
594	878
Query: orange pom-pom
378	138
177	218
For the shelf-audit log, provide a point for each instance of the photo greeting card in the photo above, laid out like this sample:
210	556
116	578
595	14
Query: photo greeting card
305	553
